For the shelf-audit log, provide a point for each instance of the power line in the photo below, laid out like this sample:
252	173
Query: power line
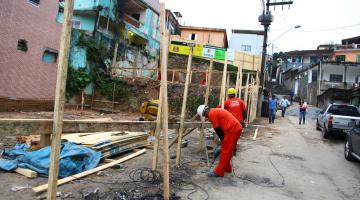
331	29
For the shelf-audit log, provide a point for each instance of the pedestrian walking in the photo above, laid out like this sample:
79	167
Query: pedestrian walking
272	108
284	103
229	129
302	109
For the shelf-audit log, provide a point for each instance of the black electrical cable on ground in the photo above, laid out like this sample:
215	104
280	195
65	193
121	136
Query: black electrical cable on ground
271	185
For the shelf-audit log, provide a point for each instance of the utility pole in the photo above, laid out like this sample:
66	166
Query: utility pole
266	19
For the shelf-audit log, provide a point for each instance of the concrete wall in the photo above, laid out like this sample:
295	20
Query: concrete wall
87	21
239	39
24	74
215	38
352	72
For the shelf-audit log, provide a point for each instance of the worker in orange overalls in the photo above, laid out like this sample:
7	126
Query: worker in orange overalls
229	130
235	106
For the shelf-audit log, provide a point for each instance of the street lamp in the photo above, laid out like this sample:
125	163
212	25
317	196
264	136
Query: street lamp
293	27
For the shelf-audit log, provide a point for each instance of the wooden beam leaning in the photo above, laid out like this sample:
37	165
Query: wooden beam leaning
164	44
60	98
183	108
44	187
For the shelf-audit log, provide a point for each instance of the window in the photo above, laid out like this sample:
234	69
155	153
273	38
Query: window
35	2
313	59
340	58
344	110
357	58
193	36
336	77
314	76
49	56
76	24
245	47
22	45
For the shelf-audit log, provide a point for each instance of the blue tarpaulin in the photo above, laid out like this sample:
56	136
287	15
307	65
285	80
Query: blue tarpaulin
73	159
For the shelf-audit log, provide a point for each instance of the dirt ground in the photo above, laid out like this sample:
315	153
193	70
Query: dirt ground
285	161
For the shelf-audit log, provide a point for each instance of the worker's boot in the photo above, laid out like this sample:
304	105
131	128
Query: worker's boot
212	174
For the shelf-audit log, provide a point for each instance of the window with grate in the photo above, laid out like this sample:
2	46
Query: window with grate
357	58
336	78
76	24
22	45
35	2
340	58
245	47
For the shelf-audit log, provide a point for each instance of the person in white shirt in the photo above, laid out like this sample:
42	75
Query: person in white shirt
284	103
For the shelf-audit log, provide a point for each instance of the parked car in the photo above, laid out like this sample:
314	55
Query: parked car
352	144
335	118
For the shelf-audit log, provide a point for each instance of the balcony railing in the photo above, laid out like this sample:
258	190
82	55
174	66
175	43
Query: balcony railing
348	47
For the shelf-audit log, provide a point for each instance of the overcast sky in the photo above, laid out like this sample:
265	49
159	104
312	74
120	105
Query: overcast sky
312	15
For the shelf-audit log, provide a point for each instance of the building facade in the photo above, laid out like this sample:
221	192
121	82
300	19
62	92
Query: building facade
348	51
29	43
133	24
247	41
209	36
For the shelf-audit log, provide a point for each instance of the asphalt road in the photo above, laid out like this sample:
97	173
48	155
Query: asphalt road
288	161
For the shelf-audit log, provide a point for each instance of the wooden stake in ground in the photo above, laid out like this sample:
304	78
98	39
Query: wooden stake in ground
183	108
113	62
247	90
227	85
157	133
60	98
206	102
237	82
240	82
164	59
223	83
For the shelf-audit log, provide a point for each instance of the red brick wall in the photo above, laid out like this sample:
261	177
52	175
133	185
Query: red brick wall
23	74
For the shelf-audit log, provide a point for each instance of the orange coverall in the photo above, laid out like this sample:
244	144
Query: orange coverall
232	129
236	107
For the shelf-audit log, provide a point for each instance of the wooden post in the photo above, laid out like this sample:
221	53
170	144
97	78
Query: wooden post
164	59
247	90
183	108
82	100
190	76
113	62
251	101
157	132
237	82
113	99
207	93
223	82
227	85
60	98
208	86
240	81
173	76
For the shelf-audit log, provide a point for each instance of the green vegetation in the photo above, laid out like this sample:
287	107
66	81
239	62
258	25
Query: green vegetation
77	80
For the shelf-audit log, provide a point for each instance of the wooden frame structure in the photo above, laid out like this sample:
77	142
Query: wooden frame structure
57	126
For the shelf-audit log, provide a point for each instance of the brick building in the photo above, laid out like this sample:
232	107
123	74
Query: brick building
29	43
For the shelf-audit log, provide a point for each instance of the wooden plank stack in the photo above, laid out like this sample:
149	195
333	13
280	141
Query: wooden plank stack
109	143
